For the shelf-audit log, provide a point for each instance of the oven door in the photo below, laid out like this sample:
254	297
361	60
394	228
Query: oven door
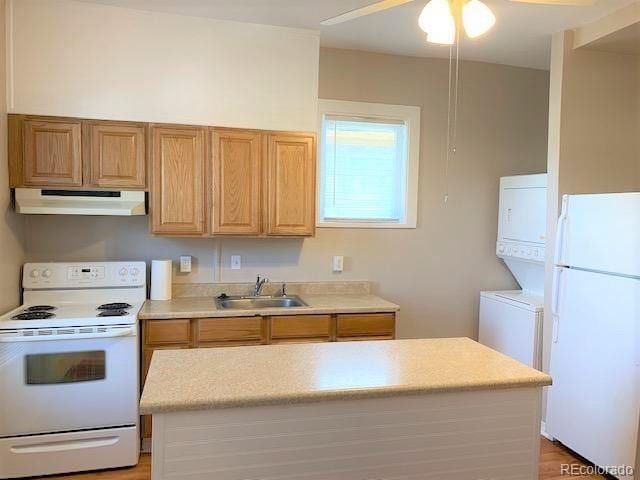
53	381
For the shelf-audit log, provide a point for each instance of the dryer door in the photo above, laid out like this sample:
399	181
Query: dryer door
523	214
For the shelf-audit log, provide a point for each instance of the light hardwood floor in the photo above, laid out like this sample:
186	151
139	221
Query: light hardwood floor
551	457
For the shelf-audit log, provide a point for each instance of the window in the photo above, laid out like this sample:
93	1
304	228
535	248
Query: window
368	165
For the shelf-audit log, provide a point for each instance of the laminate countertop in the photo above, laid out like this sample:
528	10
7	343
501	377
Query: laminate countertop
210	378
205	307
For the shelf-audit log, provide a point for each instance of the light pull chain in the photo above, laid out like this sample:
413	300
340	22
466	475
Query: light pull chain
452	110
446	161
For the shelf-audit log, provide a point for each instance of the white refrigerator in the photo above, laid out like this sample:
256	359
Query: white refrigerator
594	402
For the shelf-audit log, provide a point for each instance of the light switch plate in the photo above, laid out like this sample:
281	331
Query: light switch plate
185	263
338	263
236	262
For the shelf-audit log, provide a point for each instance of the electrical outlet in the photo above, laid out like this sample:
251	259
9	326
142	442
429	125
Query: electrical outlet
236	262
338	263
185	263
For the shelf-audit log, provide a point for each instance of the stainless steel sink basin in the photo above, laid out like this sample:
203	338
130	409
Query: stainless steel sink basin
250	303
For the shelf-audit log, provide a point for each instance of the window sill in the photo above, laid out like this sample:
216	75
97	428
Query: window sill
365	225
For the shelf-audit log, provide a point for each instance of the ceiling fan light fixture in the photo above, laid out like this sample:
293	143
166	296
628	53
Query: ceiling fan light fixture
437	21
445	34
477	18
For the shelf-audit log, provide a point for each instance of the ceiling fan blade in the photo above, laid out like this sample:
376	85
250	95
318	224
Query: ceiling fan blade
570	3
361	12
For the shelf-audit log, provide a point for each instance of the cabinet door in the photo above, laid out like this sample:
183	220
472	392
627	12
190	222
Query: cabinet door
52	153
116	155
291	182
232	330
236	182
177	193
300	328
355	325
164	332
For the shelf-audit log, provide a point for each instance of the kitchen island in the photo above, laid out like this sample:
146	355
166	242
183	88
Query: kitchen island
430	408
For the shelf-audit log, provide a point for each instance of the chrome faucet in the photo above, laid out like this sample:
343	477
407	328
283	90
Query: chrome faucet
257	289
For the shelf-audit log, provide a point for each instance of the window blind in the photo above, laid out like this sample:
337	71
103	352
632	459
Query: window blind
364	169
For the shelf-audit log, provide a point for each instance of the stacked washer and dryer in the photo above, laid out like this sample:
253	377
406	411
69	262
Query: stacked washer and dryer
511	320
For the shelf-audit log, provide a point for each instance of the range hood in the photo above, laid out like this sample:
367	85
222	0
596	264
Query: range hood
79	202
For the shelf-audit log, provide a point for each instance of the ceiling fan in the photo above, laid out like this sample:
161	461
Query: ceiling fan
441	19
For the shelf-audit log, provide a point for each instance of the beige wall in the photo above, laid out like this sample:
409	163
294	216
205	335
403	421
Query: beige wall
434	272
599	122
11	225
97	61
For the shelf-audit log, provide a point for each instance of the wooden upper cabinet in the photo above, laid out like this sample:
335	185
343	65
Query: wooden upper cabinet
52	153
116	155
178	180
236	182
291	185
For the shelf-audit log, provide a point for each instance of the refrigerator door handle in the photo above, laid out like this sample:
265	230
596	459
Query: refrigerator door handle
555	294
562	220
555	302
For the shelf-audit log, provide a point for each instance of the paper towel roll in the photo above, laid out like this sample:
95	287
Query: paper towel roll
161	273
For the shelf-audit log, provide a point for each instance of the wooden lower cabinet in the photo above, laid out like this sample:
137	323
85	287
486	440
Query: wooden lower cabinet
222	331
357	325
162	332
300	328
258	330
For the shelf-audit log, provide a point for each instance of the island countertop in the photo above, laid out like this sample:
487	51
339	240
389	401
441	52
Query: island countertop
205	307
202	379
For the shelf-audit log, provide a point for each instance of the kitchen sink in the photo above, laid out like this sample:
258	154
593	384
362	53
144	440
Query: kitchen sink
250	303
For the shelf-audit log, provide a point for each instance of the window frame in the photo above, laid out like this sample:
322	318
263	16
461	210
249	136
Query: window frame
410	116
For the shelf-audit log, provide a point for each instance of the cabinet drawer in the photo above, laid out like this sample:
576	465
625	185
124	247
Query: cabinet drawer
300	326
364	325
238	329
159	332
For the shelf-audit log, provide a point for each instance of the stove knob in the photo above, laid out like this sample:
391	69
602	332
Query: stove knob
122	272
46	273
34	274
135	271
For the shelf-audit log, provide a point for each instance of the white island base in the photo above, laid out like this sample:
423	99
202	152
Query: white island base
404	409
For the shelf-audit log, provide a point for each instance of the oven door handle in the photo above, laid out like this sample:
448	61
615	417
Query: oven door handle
124	332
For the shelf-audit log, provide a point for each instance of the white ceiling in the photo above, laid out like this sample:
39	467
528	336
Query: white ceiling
521	37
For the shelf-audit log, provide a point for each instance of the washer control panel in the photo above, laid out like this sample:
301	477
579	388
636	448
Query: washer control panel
534	253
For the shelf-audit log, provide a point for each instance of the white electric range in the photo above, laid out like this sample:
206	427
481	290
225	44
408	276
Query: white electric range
69	369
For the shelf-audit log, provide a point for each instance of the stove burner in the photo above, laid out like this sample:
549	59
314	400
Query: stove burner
35	315
39	308
114	306
113	313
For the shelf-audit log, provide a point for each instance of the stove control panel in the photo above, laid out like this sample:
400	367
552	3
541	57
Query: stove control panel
84	275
